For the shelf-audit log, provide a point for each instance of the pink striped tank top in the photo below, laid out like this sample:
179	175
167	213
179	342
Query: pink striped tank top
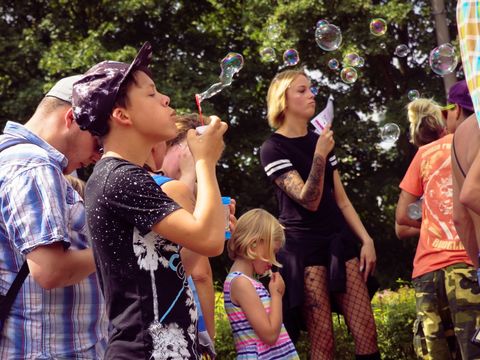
247	343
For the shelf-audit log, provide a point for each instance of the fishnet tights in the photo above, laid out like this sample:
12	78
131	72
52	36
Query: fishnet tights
355	305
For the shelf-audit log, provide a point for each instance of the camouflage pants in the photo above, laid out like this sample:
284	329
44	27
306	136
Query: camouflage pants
448	312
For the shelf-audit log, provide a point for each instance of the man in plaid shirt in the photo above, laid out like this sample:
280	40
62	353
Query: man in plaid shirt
59	310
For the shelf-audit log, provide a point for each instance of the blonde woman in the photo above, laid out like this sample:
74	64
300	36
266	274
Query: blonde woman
255	315
427	124
322	228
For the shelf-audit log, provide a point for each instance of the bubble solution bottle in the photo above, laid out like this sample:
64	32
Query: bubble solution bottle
414	210
226	206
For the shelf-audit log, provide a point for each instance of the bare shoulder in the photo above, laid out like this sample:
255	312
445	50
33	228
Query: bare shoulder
466	144
241	288
179	192
175	187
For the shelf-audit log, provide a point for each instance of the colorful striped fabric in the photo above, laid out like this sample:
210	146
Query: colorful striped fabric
247	343
468	22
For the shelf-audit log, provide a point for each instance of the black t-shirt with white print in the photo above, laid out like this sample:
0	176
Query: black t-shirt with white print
280	154
149	303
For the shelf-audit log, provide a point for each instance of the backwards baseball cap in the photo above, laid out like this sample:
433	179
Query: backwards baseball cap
63	88
459	94
94	95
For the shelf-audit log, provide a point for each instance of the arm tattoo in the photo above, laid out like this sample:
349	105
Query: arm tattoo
307	194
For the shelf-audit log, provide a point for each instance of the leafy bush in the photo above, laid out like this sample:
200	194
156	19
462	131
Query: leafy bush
394	313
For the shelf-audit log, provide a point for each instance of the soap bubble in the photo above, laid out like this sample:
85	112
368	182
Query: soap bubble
328	37
413	95
361	62
351	59
401	50
333	64
443	59
349	75
231	64
383	45
321	23
291	57
390	133
314	90
273	31
414	210
378	27
267	54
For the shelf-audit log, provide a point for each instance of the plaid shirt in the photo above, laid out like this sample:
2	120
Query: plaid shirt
468	22
39	207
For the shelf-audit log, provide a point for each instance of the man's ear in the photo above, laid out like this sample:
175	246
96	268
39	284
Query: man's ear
68	118
121	116
458	112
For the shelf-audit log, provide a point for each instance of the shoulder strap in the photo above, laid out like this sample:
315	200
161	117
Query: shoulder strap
456	157
13	291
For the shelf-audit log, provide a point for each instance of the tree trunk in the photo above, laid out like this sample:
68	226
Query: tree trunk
441	30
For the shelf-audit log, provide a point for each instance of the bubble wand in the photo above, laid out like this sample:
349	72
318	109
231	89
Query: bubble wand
230	65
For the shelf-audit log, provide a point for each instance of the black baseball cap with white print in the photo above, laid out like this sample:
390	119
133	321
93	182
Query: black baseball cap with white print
94	95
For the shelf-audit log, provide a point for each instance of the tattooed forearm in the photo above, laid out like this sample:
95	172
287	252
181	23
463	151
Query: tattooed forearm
314	186
307	194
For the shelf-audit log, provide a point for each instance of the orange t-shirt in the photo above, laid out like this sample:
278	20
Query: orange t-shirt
430	175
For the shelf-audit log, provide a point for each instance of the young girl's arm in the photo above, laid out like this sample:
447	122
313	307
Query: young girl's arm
266	326
368	257
309	193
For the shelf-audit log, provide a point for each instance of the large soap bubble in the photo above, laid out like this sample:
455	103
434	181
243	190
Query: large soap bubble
267	54
401	50
333	64
328	37
321	23
443	60
291	57
351	59
273	32
230	65
390	133
378	27
413	94
349	75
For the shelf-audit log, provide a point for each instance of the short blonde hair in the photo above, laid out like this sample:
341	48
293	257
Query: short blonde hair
185	123
77	184
426	121
256	227
276	96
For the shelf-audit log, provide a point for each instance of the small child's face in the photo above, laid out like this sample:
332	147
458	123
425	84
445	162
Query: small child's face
261	266
176	158
149	110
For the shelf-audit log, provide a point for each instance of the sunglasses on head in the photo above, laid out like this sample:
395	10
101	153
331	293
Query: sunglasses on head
446	108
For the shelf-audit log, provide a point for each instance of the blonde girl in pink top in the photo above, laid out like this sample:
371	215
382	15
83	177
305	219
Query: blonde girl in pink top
255	315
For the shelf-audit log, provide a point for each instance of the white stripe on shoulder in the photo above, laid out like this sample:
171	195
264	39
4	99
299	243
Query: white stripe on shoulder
333	160
279	167
277	162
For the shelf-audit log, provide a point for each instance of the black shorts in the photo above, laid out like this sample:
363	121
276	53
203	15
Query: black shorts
317	250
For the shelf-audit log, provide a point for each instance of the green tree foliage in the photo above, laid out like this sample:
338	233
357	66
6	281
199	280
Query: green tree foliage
42	41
